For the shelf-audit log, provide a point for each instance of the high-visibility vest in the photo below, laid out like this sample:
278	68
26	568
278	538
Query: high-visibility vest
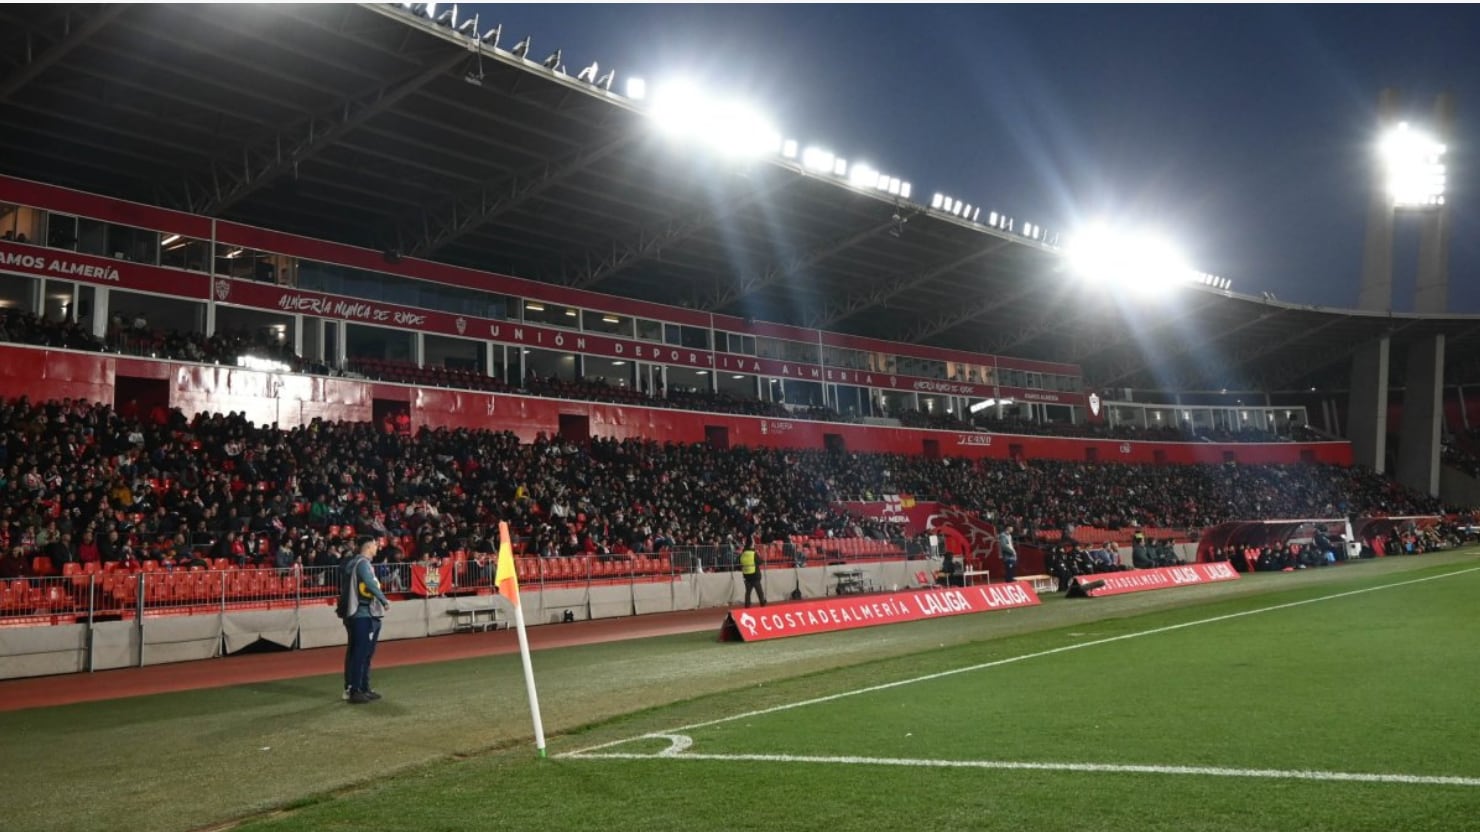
747	562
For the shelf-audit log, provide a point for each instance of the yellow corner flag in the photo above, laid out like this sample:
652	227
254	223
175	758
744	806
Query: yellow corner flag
507	582
504	577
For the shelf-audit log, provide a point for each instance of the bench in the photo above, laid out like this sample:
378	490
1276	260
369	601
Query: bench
474	616
1041	583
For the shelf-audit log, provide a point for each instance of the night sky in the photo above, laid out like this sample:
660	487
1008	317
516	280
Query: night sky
1243	132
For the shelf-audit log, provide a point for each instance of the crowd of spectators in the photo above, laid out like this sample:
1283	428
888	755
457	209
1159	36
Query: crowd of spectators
24	328
84	482
1462	451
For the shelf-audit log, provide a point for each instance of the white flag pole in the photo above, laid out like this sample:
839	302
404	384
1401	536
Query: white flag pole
534	697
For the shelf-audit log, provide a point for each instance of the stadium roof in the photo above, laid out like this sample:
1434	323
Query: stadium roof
366	125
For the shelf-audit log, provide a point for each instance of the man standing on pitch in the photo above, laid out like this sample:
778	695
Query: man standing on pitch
362	605
750	568
1009	553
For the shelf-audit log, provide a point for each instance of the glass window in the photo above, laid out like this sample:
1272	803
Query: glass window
61	231
21	224
551	314
649	330
179	252
235	261
672	334
607	323
694	337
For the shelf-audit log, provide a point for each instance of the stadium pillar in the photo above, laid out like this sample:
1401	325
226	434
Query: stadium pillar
313	338
419	349
1423	388
298	335
1366	419
1431	294
100	314
1423	399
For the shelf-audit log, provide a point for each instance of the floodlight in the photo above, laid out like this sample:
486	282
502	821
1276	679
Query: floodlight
448	18
683	110
636	89
605	81
904	190
863	176
935	201
896	189
992	219
789	148
588	74
1415	170
469	28
490	37
1133	260
521	49
420	9
815	158
552	60
976	215
840	167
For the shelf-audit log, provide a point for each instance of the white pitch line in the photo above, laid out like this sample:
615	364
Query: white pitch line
1013	659
1113	768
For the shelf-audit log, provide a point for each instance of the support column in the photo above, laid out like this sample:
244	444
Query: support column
100	314
1366	420
418	349
1423	396
313	338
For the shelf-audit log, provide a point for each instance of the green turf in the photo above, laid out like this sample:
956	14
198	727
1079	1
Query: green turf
1375	682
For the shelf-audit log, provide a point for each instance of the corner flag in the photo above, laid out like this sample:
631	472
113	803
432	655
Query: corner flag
508	586
504	577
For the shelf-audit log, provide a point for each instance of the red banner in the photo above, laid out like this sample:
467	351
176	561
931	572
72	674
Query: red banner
1143	580
894	508
428	582
849	612
24	259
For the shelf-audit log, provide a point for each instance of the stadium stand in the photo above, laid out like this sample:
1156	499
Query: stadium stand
132	488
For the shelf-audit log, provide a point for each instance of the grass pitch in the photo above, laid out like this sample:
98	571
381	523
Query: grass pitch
1338	699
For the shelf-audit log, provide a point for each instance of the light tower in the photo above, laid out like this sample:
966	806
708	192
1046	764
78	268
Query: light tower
1413	180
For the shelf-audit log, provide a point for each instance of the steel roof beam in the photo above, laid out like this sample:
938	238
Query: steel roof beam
860	301
254	166
962	315
650	242
1319	359
34	65
782	270
1191	344
435	228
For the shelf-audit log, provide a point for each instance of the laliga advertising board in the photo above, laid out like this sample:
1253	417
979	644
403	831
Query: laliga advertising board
849	612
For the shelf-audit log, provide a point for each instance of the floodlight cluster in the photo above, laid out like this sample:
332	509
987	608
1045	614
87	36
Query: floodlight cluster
947	204
1140	261
1414	162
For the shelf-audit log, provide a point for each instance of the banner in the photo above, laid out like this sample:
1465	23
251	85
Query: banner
850	612
429	582
1143	580
894	508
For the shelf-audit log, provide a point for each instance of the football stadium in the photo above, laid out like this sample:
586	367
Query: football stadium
667	471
